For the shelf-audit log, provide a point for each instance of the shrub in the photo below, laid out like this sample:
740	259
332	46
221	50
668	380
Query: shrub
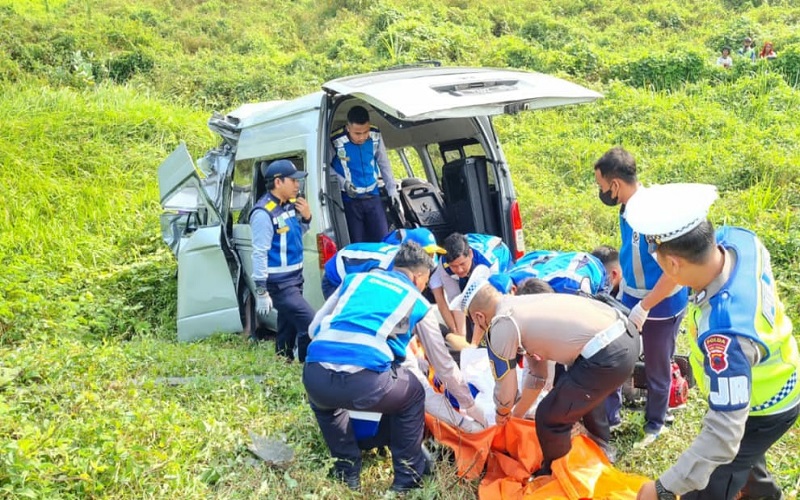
662	71
122	67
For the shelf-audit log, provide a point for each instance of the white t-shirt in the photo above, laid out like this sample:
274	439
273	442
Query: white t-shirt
725	62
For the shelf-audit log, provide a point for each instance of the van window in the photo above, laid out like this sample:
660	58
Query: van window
405	163
446	152
248	185
241	187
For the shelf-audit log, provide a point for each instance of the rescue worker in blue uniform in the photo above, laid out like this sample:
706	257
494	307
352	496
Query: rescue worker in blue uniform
364	257
359	159
278	221
742	344
355	363
464	252
657	304
565	272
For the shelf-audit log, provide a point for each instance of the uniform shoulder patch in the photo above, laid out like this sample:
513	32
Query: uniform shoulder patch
717	348
337	133
270	205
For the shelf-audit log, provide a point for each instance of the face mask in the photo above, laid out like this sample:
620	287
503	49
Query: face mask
607	199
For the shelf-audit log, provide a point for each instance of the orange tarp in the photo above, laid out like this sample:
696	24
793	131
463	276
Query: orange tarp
511	452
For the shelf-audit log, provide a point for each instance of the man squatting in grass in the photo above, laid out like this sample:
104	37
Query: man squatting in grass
743	348
359	340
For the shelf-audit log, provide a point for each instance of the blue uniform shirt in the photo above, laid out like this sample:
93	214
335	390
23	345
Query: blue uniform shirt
359	258
372	322
277	232
640	273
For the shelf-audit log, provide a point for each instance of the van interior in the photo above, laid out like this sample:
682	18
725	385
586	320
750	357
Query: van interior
449	182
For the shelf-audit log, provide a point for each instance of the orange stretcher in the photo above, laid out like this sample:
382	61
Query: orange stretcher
510	453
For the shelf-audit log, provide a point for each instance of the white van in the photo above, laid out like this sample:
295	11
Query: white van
436	123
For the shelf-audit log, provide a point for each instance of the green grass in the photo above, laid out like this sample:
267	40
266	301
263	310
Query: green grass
93	95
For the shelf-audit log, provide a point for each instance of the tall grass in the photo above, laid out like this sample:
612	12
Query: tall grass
93	95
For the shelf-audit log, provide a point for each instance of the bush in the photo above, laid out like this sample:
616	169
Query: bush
663	71
788	64
122	67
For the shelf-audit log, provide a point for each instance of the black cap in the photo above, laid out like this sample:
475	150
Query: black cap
281	169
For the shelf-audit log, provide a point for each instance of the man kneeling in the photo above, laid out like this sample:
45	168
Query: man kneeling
354	361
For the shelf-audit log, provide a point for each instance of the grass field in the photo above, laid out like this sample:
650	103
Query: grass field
93	95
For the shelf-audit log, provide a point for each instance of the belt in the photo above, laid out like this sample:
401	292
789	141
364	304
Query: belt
602	339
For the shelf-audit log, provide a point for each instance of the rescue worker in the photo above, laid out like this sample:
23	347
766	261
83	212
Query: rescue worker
359	160
364	257
657	304
742	345
359	340
596	342
278	221
464	252
566	272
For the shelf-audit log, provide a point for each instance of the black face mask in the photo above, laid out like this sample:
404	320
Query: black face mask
607	199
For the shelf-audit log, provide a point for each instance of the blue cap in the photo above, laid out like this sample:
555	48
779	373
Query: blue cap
281	169
501	282
420	235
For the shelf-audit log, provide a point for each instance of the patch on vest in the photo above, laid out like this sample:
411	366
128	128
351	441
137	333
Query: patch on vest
717	349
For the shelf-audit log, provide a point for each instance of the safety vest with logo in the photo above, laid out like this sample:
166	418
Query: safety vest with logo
640	273
564	271
285	255
372	322
357	162
359	258
487	250
747	306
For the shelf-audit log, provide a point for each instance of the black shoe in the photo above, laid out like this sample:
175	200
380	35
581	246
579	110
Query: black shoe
353	481
430	464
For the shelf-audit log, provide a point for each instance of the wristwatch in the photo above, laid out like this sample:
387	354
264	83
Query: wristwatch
260	290
663	493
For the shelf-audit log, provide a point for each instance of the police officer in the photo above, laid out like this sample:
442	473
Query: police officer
464	252
364	257
596	342
742	345
278	221
657	304
360	337
359	158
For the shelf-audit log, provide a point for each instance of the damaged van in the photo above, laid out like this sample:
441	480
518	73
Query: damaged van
436	123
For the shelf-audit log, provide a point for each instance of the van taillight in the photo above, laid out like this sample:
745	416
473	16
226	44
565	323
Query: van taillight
326	248
516	230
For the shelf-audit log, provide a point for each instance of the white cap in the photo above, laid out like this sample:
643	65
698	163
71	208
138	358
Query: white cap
665	212
477	280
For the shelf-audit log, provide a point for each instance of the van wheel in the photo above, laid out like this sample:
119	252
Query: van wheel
253	329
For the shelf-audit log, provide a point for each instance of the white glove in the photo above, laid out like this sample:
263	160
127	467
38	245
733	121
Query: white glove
350	189
476	414
263	304
638	316
395	200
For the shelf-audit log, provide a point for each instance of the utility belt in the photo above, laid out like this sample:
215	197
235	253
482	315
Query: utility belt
605	337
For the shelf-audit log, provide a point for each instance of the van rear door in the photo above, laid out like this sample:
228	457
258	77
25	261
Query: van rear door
416	94
191	225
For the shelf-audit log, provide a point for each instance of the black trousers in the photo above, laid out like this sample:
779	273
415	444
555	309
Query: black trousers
579	393
748	473
396	393
294	316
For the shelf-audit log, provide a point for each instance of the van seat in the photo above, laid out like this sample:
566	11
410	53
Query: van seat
424	206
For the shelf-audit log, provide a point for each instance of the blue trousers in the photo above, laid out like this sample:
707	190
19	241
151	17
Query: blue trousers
396	393
658	341
366	219
294	316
